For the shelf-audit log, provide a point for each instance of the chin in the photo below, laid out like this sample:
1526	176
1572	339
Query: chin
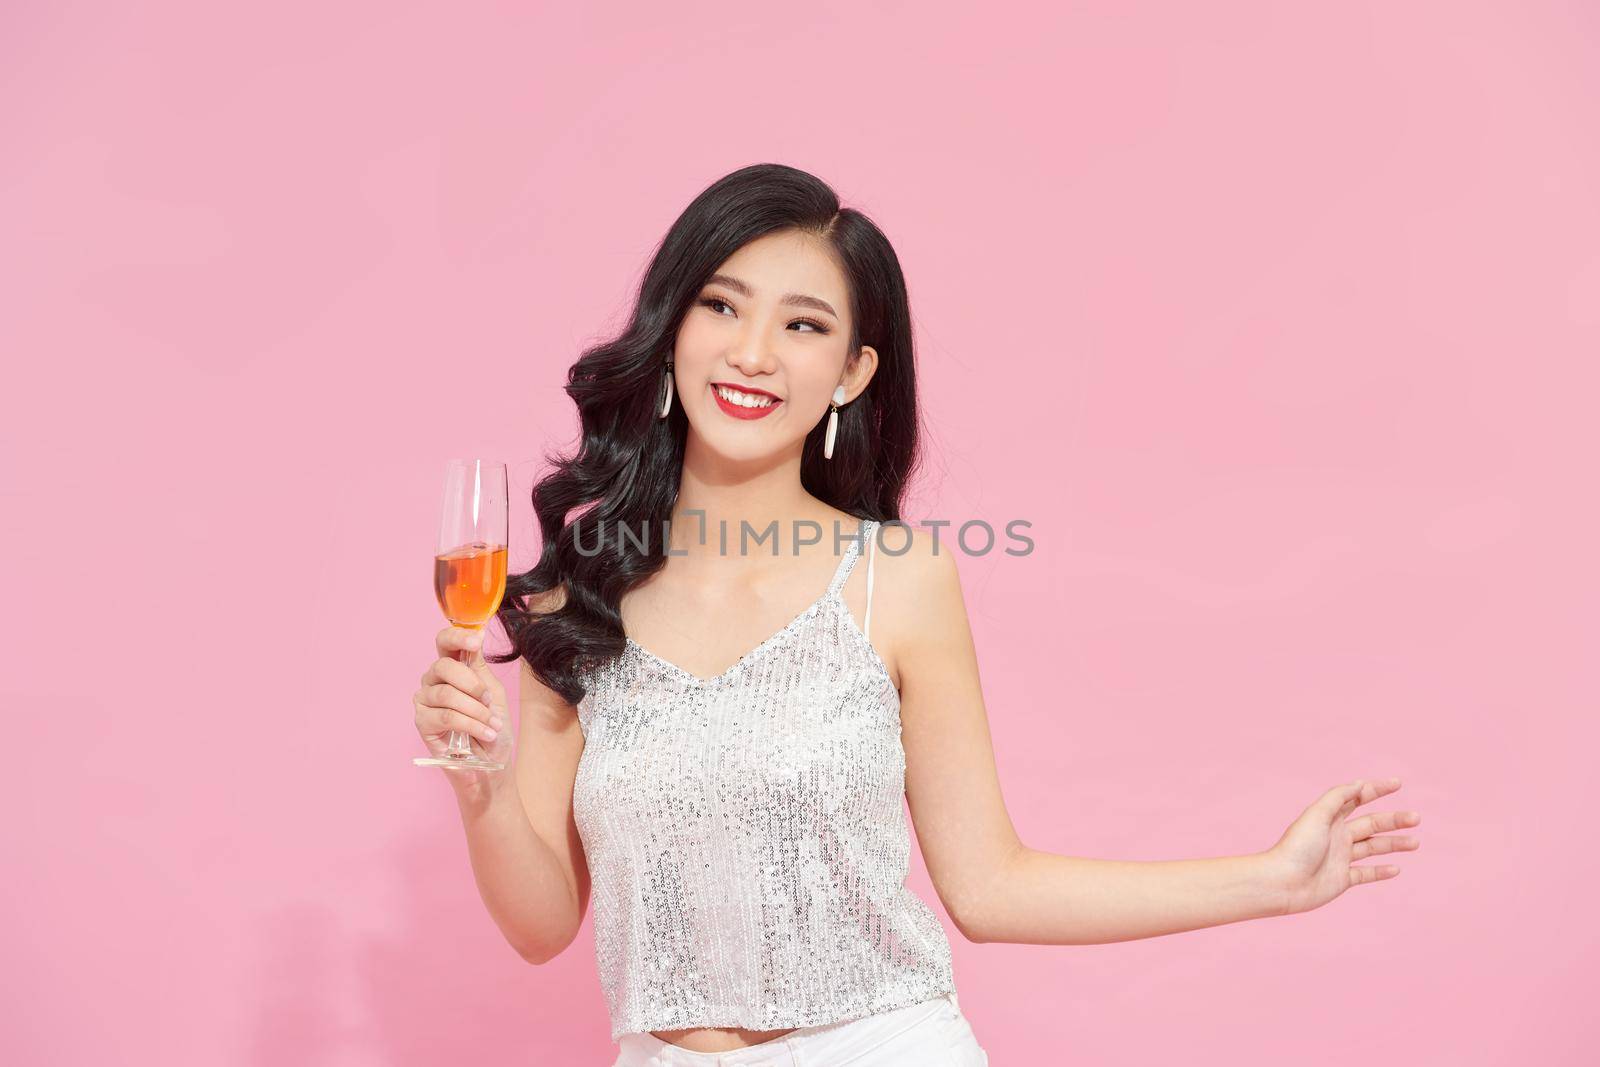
743	448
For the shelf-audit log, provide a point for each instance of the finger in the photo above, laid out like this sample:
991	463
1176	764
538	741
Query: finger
1353	795
1339	799
464	678
1376	846
1363	875
1380	821
1366	790
453	642
450	719
1373	788
448	696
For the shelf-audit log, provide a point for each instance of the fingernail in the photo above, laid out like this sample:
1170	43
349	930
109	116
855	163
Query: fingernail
490	734
495	722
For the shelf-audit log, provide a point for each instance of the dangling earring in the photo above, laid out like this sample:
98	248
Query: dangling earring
833	423
666	391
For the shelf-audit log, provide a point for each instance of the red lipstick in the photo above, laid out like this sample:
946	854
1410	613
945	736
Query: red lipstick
739	411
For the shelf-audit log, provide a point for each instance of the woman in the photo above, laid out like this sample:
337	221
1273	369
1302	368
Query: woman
716	738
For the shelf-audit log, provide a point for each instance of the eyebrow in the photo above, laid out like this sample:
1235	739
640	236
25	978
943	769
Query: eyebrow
799	300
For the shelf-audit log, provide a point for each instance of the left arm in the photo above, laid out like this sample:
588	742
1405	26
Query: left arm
994	887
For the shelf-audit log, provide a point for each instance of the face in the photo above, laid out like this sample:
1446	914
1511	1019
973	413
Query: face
763	346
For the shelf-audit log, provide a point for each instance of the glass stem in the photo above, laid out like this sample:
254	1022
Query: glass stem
460	745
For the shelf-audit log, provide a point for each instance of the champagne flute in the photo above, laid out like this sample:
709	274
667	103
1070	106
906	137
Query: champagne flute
469	572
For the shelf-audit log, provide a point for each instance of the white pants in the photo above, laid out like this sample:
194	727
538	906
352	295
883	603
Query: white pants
931	1034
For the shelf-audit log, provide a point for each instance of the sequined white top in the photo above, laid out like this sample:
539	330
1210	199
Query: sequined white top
745	835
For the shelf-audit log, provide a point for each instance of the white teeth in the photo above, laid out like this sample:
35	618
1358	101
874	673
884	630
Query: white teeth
744	400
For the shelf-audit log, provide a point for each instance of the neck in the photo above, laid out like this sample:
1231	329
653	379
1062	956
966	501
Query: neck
718	498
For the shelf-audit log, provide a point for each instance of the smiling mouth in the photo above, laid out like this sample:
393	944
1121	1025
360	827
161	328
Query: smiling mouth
744	399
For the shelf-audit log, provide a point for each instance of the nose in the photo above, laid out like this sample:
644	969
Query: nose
753	356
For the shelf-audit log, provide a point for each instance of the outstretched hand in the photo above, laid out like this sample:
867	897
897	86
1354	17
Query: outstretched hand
1315	855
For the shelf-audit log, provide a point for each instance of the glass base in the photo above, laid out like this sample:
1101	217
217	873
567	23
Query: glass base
460	763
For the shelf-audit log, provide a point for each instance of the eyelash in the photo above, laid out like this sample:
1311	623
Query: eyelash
813	323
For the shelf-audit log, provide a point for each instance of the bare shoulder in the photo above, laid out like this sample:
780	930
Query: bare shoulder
917	594
922	560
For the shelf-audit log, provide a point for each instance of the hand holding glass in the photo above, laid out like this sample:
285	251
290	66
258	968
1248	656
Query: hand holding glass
469	573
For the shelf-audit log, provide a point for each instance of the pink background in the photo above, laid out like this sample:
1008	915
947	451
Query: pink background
1279	322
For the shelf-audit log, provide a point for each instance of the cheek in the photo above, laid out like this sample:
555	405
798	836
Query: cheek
811	385
694	348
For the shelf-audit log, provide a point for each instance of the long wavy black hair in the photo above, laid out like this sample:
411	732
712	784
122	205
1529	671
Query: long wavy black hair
625	472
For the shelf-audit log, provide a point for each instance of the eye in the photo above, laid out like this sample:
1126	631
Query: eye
713	303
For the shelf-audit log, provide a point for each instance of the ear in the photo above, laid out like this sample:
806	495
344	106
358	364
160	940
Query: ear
860	372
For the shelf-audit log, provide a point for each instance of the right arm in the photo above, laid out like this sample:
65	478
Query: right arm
527	856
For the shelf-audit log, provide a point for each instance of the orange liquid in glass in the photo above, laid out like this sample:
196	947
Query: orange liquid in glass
470	582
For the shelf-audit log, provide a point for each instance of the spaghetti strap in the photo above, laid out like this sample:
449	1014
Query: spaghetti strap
841	573
872	546
868	538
